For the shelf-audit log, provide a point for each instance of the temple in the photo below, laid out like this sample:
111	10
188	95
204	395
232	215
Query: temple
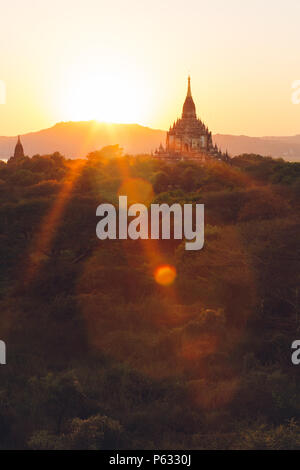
19	151
189	138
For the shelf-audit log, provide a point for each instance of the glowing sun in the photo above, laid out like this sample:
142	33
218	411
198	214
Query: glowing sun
104	96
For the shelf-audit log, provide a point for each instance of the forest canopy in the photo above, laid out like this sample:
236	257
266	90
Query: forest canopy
103	356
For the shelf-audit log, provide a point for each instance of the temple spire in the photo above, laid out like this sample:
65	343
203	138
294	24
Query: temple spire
19	152
189	109
189	93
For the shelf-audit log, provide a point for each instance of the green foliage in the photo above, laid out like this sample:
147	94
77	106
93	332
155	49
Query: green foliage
101	356
264	437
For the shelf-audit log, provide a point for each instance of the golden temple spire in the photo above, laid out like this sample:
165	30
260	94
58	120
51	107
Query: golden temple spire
189	109
189	93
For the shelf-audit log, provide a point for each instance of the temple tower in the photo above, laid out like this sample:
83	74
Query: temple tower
19	151
189	137
189	108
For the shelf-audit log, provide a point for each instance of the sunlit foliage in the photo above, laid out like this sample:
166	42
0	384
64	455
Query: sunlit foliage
135	344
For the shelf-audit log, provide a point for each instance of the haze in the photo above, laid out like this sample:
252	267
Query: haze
128	62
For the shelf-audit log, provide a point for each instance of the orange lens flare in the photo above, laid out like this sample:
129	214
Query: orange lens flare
137	190
165	275
50	224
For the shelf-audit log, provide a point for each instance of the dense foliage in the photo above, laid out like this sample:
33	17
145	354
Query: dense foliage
100	356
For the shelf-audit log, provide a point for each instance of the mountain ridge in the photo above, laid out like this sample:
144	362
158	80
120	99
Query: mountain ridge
77	138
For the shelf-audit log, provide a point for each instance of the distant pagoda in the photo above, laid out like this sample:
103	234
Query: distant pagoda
19	151
189	138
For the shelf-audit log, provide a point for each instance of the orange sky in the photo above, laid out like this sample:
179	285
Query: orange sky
128	62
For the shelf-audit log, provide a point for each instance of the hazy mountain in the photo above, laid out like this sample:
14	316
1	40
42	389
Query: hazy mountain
76	139
284	147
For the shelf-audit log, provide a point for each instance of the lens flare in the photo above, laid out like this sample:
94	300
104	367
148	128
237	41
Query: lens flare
165	275
137	190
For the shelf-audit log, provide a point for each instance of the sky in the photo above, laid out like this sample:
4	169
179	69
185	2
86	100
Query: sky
128	61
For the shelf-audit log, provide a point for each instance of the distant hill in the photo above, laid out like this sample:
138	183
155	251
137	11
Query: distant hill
277	147
77	139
